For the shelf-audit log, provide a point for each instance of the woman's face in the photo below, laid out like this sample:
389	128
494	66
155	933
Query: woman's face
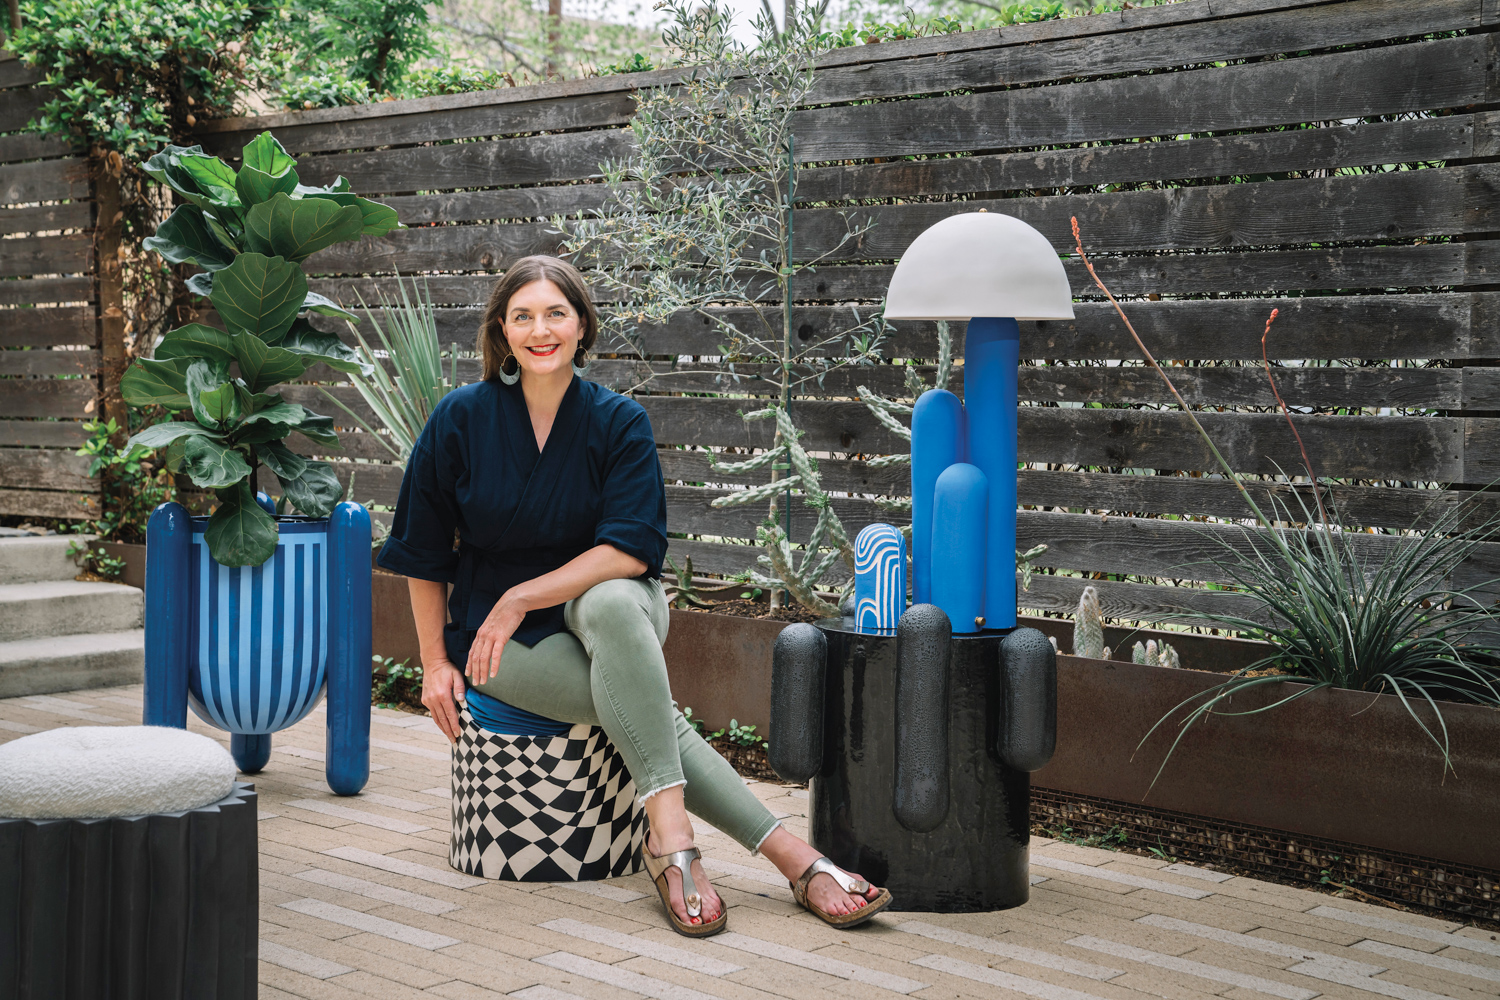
542	328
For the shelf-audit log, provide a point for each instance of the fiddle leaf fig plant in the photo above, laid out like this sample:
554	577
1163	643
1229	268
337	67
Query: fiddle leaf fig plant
250	230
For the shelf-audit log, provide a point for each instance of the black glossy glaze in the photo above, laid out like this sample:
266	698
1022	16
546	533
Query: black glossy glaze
1028	700
798	666
976	858
923	639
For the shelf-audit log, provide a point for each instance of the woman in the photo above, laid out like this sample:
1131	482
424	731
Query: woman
554	490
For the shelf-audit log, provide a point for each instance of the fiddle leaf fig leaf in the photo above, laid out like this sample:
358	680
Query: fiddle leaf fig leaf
214	177
240	532
263	365
256	186
259	295
223	232
162	434
286	463
300	228
324	306
211	464
156	383
196	341
210	392
327	348
318	428
316	491
266	154
187	238
202	284
258	229
377	219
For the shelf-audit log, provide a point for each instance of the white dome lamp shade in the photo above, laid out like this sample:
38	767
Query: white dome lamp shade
991	270
979	264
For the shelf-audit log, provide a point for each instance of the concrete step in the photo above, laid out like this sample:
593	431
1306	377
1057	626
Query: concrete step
72	662
44	557
67	607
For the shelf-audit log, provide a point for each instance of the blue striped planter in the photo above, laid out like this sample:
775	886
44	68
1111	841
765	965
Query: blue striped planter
253	649
259	635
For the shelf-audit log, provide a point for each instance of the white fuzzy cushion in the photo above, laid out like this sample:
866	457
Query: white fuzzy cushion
100	771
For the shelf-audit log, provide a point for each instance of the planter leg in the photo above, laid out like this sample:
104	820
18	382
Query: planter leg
169	538
797	679
250	752
923	638
1028	700
348	744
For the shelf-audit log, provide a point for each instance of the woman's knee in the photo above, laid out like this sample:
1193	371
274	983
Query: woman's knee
612	604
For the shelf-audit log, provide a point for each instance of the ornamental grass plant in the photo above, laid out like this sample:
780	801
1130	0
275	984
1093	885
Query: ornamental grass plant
1342	610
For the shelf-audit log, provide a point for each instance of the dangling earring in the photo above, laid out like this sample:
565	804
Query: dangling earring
583	369
510	378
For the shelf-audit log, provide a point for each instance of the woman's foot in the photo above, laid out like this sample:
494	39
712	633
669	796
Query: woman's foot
672	831
793	856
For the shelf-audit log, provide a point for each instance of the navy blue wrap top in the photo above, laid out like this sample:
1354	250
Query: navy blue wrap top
476	475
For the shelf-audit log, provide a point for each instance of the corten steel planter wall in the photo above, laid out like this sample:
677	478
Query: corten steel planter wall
720	666
1342	765
394	633
134	573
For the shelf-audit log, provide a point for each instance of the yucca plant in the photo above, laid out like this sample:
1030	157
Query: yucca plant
1341	612
405	378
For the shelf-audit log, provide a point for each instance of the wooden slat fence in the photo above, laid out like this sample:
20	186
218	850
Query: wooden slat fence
49	318
1333	159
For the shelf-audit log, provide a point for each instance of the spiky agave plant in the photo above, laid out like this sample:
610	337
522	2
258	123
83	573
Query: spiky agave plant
1342	612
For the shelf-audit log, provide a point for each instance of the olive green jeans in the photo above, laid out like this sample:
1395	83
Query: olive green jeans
608	670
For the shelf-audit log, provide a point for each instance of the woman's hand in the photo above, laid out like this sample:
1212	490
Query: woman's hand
442	689
489	642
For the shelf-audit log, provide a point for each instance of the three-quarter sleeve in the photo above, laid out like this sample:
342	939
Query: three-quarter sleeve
633	512
421	540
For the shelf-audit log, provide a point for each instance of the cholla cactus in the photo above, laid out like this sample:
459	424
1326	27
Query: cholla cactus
1157	656
1088	626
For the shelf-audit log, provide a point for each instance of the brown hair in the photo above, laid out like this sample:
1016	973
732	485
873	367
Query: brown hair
493	347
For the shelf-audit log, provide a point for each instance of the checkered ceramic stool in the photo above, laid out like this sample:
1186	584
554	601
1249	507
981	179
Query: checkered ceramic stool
543	808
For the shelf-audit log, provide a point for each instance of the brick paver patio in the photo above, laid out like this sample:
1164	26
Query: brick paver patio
357	900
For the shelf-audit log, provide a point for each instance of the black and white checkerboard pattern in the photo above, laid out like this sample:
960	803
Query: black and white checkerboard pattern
543	808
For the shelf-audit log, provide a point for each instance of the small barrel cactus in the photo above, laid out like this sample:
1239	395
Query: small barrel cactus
1150	652
1088	626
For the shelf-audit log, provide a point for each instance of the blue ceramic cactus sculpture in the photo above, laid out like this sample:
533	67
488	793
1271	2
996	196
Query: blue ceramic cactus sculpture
879	577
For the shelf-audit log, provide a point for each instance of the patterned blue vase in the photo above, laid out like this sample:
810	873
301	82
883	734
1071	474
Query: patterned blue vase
879	578
253	649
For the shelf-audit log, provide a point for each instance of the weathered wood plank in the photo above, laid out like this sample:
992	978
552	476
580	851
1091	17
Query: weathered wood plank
49	397
44	327
55	180
1339	86
49	362
45	218
1137	602
45	291
42	503
1399	205
45	255
19	105
1255	33
46	469
1407	448
1448	138
16	73
1113	493
1447	73
30	146
41	434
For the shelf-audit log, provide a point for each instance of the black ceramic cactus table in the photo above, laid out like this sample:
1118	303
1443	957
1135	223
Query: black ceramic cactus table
918	748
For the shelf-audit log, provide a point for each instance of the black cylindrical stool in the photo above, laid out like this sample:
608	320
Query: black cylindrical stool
162	905
543	808
976	857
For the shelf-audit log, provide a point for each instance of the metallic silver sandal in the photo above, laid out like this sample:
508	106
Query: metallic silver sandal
853	886
683	862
